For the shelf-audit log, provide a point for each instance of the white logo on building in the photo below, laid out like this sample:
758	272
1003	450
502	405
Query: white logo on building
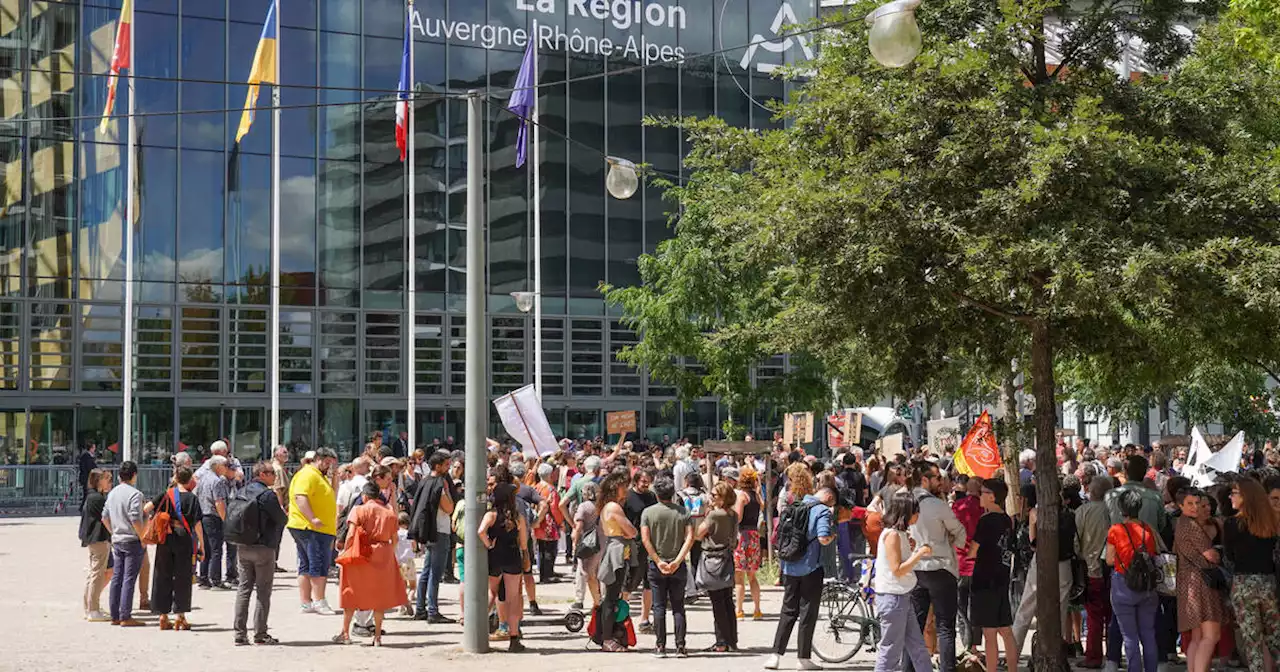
785	17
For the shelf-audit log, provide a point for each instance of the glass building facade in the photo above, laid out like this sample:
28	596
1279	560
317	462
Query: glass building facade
203	246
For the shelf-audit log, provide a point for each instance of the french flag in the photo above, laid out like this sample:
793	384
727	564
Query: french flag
404	88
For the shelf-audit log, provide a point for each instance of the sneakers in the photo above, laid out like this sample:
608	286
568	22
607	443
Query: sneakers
242	640
659	652
682	652
97	617
772	662
265	640
439	619
322	607
741	615
535	609
806	664
131	623
515	646
361	630
646	628
308	608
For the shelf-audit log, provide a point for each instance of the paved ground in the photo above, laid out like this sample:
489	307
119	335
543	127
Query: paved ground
42	579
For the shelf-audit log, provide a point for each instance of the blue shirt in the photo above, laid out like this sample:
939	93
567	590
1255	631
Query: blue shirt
819	526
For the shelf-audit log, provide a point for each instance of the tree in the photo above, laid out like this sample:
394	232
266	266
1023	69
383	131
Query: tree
986	192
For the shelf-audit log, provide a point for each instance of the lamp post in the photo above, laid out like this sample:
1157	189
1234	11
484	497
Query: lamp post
894	37
525	302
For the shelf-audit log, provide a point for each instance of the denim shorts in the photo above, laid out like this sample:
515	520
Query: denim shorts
315	552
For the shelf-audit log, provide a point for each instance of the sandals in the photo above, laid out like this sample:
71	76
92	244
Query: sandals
181	624
375	642
341	638
164	622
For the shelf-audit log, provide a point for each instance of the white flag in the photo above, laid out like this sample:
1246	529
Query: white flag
1199	453
523	418
1227	460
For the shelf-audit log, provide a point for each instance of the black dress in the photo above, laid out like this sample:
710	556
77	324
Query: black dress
989	605
171	577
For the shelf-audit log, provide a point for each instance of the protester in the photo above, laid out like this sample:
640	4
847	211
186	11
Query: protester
546	532
1200	609
506	534
1249	539
171	590
1135	610
748	556
937	576
122	515
313	523
586	522
280	463
257	560
211	491
429	526
802	578
989	607
86	463
618	545
95	536
666	532
639	498
695	500
901	637
374	584
968	509
718	533
1066	552
1093	522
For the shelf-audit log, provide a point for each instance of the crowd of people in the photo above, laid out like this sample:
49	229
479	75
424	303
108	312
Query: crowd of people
954	556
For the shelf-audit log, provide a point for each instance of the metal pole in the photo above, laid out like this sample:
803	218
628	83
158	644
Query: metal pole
130	207
537	225
475	637
412	293
275	243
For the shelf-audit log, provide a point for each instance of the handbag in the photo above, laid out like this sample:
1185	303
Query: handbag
588	543
1167	564
715	570
1216	578
157	529
358	549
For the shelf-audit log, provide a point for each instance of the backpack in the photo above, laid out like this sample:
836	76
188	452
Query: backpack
1141	576
342	519
243	519
793	531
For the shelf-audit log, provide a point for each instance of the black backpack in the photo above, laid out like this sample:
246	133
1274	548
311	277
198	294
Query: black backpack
1141	576
793	531
243	518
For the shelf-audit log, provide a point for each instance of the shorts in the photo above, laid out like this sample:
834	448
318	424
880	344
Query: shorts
459	567
315	552
990	607
746	557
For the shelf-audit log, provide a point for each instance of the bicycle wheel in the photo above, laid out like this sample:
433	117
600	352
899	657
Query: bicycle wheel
845	624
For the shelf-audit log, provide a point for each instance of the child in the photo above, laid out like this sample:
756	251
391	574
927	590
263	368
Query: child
404	556
459	516
989	607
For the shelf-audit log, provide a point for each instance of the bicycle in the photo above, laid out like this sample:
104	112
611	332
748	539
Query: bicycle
846	618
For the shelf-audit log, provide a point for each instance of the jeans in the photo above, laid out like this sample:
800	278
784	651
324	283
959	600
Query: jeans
233	568
726	623
801	597
1136	614
433	568
546	559
901	639
940	589
97	579
1166	626
1097	608
128	558
668	588
257	573
211	565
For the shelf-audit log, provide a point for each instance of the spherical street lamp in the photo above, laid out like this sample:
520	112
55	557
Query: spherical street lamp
895	37
621	181
524	300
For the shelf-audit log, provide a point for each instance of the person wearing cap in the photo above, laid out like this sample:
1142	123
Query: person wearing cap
313	523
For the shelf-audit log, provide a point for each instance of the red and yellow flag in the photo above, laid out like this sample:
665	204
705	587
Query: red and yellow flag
979	455
119	59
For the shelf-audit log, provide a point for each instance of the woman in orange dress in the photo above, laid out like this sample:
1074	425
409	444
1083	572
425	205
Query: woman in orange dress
374	585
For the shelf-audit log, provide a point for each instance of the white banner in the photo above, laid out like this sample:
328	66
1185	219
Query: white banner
523	418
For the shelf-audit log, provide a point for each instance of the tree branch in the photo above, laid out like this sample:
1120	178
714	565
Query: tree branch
988	308
1269	371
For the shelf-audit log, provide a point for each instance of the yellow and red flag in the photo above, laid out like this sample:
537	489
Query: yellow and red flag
979	455
119	59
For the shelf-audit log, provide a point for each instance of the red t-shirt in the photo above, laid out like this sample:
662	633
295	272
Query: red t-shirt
968	510
1139	532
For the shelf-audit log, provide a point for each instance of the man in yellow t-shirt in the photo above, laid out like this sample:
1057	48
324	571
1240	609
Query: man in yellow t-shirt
313	523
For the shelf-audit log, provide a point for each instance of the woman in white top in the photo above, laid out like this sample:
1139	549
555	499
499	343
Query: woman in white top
899	629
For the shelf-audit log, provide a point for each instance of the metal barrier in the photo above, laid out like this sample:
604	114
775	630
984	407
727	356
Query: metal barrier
44	490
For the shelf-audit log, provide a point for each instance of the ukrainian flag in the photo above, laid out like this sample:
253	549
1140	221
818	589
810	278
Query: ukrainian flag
263	70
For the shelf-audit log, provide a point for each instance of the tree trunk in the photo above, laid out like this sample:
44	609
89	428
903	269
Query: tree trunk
1049	656
1012	429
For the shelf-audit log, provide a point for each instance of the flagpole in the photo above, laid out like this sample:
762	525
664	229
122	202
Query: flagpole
130	207
274	378
537	226
413	253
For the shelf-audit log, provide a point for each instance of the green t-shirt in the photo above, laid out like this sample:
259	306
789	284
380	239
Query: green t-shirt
667	524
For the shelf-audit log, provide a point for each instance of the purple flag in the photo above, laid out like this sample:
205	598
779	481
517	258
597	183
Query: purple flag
523	99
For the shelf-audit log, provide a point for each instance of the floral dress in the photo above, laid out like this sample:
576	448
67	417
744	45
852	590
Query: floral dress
1197	602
